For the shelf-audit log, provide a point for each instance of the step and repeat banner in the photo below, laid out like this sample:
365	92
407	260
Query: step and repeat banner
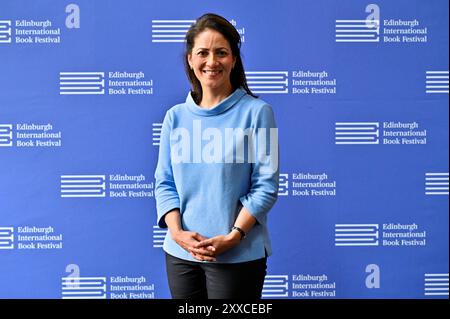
360	94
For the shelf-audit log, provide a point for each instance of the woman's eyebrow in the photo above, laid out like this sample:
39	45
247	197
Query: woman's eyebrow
220	48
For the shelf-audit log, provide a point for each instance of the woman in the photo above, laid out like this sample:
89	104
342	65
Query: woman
215	182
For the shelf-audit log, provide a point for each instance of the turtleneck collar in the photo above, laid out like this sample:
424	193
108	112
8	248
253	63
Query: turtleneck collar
224	105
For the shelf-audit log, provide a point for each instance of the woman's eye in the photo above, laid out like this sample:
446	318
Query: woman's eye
222	53
202	53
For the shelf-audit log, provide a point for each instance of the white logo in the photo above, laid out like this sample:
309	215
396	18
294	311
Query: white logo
313	82
307	184
73	19
158	236
76	287
81	82
283	188
37	237
5	135
83	287
312	286
119	186
118	83
436	284
367	30
357	133
394	30
29	135
356	235
170	30
373	279
437	82
436	184
5	31
267	81
6	237
83	185
275	286
156	132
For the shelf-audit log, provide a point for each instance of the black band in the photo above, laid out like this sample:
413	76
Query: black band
243	234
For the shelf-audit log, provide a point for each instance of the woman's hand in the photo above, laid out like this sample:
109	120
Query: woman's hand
217	245
188	240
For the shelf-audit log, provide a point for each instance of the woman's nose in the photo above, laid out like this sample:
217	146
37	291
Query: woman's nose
212	60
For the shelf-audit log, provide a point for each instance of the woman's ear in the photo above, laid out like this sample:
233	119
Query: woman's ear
189	58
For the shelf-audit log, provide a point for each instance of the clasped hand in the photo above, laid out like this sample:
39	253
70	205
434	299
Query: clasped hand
203	248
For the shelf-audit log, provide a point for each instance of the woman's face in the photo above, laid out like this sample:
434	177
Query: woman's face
212	60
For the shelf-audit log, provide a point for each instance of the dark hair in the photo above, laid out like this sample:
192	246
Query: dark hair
217	23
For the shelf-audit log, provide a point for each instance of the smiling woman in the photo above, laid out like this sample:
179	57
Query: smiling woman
213	201
213	61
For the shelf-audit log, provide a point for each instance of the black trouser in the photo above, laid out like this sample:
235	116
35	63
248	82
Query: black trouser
202	280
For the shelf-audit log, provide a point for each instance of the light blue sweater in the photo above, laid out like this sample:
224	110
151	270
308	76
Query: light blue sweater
197	176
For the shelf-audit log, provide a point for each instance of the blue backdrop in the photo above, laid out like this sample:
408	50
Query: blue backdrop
360	94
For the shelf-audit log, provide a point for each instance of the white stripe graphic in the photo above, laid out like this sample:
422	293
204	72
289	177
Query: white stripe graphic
5	31
357	31
437	82
356	235
81	83
283	189
436	284
437	184
6	237
357	133
6	135
275	82
275	286
83	186
158	236
170	30
156	133
83	287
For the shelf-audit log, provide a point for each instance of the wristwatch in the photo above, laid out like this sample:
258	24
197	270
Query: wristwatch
243	234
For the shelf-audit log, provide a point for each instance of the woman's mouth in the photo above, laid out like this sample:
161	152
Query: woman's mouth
212	72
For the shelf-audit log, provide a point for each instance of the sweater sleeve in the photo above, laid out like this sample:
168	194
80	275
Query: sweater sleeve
265	170
166	194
